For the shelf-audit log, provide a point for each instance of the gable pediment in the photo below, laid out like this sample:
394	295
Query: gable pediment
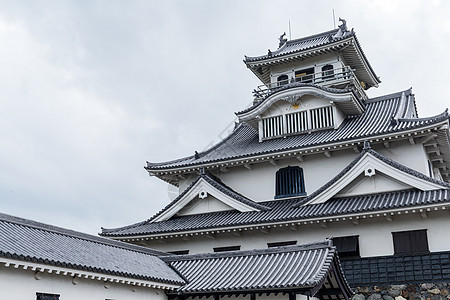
206	195
373	173
345	99
379	183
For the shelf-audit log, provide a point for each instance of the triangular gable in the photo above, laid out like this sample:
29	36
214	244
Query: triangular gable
209	189
368	164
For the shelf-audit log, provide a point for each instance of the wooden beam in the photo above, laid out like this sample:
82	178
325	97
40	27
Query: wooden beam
327	153
273	162
387	145
425	139
300	158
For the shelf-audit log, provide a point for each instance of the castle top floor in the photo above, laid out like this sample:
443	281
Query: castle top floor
330	59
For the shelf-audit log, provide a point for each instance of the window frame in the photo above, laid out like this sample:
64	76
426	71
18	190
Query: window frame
290	182
410	242
227	248
349	241
46	296
281	244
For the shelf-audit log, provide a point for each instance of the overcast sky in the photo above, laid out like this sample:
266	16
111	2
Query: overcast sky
91	90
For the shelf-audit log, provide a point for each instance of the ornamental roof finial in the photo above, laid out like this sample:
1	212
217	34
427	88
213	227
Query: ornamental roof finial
343	26
282	39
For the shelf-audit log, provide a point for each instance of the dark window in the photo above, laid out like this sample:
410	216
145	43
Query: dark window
347	246
410	242
282	80
229	248
44	296
179	252
327	72
289	182
281	244
305	75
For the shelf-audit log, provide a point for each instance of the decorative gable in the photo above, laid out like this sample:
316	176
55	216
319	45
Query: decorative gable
373	173
205	195
301	108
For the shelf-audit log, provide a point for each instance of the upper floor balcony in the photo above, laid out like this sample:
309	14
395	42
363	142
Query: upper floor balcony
343	77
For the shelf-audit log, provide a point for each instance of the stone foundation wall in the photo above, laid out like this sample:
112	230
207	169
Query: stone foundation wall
424	291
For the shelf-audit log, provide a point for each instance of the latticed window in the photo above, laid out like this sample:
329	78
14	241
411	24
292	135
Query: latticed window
297	122
322	117
289	182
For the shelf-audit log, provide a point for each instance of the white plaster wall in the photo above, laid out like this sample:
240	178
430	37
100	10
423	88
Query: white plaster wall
316	62
375	235
305	102
208	204
410	155
259	183
20	284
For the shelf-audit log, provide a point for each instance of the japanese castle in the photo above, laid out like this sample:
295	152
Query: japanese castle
318	189
315	158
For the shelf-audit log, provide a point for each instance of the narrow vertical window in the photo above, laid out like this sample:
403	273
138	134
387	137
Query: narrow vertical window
289	182
327	72
282	80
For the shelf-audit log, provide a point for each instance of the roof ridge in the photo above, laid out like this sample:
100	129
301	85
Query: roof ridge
253	252
442	115
77	234
277	52
389	96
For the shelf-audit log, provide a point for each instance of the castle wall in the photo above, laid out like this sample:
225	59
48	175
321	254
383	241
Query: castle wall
375	234
17	283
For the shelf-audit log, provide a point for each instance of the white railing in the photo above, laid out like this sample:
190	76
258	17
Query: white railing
327	77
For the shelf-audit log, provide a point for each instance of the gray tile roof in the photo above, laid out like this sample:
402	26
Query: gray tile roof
379	119
283	210
293	267
335	40
218	184
301	44
26	240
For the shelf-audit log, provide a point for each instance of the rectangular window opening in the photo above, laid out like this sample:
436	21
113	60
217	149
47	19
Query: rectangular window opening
347	246
306	75
410	242
228	248
179	252
45	296
281	244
